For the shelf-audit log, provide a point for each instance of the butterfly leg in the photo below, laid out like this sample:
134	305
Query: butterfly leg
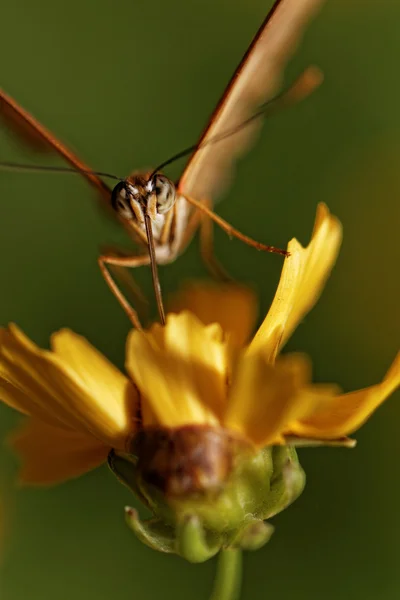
124	276
232	231
207	247
190	229
106	262
199	219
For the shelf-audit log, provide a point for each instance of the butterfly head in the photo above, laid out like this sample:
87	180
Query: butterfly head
138	195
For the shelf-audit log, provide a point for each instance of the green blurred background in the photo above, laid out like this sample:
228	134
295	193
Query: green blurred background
127	84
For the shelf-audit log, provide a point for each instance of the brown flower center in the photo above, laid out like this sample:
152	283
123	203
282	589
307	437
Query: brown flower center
186	460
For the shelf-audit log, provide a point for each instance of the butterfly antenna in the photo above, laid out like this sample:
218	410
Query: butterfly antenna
154	269
9	166
304	85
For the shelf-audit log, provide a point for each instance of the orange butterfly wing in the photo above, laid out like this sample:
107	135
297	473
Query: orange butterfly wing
256	80
34	134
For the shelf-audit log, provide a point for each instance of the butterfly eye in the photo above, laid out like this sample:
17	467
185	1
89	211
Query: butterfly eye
120	201
165	193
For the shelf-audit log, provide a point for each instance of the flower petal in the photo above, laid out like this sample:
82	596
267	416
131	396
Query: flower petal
51	454
341	415
43	384
182	376
100	377
265	398
233	306
302	442
303	277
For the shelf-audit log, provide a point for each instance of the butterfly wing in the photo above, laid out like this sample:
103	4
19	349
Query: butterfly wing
32	133
256	80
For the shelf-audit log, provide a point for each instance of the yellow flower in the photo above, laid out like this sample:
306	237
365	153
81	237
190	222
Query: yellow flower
197	370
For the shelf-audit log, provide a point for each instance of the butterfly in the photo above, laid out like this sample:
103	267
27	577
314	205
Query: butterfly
162	216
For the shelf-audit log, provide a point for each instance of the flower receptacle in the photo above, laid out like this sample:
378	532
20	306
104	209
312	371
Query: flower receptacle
206	489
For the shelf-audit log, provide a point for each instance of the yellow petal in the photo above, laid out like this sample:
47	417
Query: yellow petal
265	398
13	396
147	416
51	454
341	415
233	306
53	389
301	442
182	376
99	376
303	278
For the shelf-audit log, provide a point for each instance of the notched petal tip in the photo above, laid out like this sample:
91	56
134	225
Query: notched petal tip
182	370
341	415
73	386
50	455
303	277
233	306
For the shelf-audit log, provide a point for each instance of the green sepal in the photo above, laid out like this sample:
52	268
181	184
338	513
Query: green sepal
124	467
154	533
192	541
253	535
287	481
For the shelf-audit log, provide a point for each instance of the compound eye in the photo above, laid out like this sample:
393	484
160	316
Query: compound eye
120	201
165	193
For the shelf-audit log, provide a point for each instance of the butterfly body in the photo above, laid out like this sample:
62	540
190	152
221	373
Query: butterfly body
153	195
159	216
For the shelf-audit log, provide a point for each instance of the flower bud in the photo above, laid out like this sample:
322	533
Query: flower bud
207	489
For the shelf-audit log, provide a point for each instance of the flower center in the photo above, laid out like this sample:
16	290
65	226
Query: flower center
186	460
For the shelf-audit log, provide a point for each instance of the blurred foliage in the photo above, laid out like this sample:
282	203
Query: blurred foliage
127	84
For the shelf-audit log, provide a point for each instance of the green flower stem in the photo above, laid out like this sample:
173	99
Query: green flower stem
229	576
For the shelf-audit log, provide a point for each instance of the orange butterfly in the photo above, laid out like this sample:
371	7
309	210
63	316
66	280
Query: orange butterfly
162	216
